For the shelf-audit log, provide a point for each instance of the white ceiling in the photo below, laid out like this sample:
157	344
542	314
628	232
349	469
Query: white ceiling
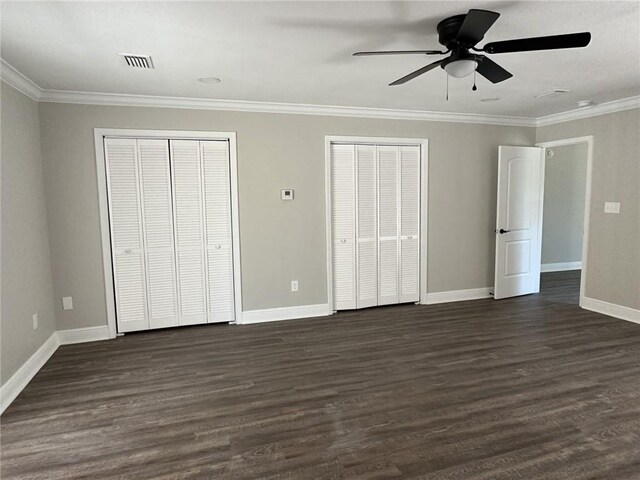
300	52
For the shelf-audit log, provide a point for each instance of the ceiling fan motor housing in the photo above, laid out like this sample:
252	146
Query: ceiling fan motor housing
448	31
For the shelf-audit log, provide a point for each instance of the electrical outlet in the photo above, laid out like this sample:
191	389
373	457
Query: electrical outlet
67	303
35	320
611	207
294	285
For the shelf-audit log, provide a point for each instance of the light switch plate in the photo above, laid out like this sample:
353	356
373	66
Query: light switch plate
611	207
34	318
286	194
67	303
294	285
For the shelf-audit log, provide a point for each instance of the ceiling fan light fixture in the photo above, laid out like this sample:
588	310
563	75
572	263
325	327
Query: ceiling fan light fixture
461	68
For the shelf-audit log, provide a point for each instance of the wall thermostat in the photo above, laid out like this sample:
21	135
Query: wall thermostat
286	194
550	153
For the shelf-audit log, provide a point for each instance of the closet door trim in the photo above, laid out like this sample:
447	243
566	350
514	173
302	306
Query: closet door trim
103	202
423	143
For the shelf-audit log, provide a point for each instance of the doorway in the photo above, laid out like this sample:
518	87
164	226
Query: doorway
566	200
158	179
376	221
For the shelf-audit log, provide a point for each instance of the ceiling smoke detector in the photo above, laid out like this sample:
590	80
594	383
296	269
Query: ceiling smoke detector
137	61
552	93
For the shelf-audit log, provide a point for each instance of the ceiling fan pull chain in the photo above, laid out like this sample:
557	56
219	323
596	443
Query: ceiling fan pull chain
474	88
447	88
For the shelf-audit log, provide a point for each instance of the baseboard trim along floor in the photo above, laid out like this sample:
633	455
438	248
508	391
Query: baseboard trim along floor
458	295
285	313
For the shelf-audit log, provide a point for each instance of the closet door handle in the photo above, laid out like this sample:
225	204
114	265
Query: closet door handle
218	246
128	250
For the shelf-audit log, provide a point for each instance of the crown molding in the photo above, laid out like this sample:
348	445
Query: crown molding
19	81
587	112
58	96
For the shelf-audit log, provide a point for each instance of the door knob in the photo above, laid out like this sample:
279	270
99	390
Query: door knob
501	231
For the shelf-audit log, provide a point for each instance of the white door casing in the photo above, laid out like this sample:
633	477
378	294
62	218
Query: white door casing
588	140
518	221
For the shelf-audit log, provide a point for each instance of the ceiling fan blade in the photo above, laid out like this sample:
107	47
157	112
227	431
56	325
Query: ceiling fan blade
475	25
417	73
400	52
552	42
491	70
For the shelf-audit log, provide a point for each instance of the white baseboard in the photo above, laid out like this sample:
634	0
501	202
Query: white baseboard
560	267
285	313
458	295
611	309
10	390
82	335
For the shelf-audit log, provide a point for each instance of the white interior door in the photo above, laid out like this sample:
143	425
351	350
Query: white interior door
409	224
157	223
123	184
519	221
388	264
217	204
343	232
189	228
367	252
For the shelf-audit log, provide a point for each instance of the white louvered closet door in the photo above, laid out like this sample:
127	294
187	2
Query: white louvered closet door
217	203
126	234
388	264
409	224
343	218
367	248
189	231
157	222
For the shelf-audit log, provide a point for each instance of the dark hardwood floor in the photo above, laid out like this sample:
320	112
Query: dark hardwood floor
526	388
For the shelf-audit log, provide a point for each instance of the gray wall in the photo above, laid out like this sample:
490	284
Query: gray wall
613	256
280	241
25	278
565	175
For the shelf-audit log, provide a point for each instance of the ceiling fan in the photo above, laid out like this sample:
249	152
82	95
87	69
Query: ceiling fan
461	33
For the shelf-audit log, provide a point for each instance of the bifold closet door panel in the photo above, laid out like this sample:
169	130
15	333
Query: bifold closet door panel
388	247
157	220
219	246
409	224
126	234
189	231
343	218
367	248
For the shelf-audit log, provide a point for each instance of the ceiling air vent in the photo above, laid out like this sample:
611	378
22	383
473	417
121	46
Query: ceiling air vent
552	93
138	61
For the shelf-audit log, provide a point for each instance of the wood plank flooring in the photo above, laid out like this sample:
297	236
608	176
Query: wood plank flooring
525	388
